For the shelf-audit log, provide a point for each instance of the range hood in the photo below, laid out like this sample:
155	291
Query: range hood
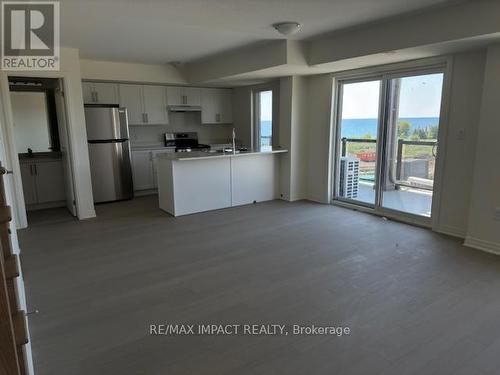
184	108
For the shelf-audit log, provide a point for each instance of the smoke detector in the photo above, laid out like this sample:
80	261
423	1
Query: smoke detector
287	28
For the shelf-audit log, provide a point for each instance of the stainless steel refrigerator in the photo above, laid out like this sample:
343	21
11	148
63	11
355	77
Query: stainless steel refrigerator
109	152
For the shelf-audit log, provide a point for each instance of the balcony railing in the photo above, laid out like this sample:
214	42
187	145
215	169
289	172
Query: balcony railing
368	155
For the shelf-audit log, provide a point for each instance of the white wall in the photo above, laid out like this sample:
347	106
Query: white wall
293	136
463	122
243	116
129	72
484	230
319	120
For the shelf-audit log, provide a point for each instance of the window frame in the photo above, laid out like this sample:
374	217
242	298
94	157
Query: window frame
256	133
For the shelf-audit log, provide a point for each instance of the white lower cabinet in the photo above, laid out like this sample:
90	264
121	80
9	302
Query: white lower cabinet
142	170
43	182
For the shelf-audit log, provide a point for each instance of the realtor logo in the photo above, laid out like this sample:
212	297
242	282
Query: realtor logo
30	35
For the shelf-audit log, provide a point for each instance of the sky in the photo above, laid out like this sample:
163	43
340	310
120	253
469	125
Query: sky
420	97
266	106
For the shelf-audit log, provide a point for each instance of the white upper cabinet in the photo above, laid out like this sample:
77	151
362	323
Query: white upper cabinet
177	95
193	95
88	92
155	104
146	105
216	106
226	103
131	98
100	93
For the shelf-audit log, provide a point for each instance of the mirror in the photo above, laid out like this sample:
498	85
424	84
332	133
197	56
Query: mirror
31	121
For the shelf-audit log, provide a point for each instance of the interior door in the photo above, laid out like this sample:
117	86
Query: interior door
65	149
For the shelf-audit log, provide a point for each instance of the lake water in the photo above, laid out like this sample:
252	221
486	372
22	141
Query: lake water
357	128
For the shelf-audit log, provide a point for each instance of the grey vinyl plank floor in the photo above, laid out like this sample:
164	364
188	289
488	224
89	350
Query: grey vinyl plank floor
416	302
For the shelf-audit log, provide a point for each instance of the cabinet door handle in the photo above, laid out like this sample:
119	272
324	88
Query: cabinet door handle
146	117
36	169
96	97
217	117
31	169
184	99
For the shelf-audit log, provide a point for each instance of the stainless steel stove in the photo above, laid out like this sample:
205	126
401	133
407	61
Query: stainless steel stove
184	142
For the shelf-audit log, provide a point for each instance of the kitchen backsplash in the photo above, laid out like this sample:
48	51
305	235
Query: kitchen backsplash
180	122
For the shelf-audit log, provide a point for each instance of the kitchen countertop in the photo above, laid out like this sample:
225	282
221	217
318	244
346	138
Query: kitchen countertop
150	147
180	156
40	157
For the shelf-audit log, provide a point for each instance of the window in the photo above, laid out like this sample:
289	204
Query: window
263	120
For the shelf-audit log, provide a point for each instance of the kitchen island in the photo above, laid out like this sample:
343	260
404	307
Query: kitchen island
200	181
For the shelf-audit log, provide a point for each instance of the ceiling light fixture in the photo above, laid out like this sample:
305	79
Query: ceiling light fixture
287	28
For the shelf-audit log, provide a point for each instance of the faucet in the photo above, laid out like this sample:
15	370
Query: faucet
234	141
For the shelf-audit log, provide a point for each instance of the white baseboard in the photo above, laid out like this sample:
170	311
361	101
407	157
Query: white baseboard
88	214
488	246
44	206
450	231
142	193
317	200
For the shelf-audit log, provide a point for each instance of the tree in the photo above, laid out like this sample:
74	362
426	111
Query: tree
367	136
422	133
415	136
432	132
403	129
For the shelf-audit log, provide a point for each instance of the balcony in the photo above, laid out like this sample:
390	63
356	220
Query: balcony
409	173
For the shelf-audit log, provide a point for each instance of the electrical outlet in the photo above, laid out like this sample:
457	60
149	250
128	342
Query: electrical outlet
496	215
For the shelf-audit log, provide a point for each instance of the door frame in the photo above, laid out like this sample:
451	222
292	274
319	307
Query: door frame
12	162
442	64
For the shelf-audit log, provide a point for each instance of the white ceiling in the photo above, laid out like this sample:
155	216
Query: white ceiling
160	31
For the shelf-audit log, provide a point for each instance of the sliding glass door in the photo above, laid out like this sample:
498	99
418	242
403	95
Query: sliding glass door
359	125
388	141
412	141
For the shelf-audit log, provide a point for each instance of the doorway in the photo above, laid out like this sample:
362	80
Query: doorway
388	130
42	145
